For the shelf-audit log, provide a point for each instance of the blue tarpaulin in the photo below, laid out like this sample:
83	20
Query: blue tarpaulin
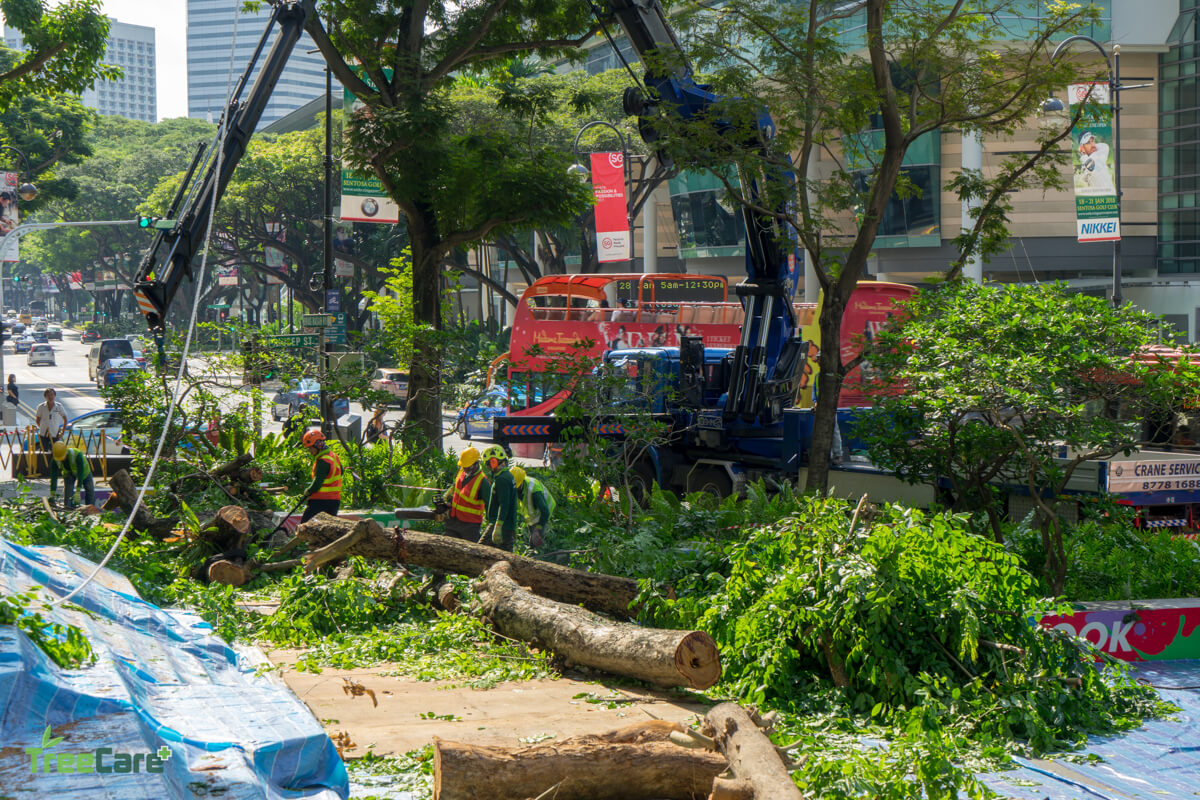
162	684
1159	761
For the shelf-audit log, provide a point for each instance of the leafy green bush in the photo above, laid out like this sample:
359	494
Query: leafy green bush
900	610
64	644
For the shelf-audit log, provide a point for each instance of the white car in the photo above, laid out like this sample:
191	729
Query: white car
41	355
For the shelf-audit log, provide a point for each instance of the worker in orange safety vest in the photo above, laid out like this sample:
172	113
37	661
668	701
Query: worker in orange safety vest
325	492
467	498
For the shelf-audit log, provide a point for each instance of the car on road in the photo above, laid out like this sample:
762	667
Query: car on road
22	344
475	419
393	381
18	327
41	355
40	325
105	350
54	332
89	336
303	392
40	337
97	432
115	370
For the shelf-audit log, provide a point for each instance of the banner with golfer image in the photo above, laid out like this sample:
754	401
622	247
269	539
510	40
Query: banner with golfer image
1097	213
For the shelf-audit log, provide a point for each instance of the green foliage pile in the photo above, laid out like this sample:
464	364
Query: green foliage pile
64	644
900	610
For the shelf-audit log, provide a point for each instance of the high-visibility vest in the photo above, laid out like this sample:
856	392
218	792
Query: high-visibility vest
331	489
465	505
532	486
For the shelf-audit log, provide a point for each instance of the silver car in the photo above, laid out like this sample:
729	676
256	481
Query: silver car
41	355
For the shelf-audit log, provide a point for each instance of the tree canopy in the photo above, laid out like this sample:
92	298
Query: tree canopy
64	43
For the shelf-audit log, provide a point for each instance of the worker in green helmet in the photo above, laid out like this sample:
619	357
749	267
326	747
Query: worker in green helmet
501	528
536	504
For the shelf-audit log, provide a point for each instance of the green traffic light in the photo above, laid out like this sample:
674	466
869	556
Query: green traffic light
145	222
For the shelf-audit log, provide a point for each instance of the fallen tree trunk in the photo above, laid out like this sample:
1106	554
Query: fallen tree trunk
605	593
227	529
634	763
759	772
124	489
661	657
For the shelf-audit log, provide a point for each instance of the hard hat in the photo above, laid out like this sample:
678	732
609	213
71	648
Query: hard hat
313	438
59	451
518	476
468	457
495	451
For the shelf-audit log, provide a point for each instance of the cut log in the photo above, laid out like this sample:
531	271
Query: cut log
231	572
629	764
232	526
758	770
661	657
126	492
604	593
443	590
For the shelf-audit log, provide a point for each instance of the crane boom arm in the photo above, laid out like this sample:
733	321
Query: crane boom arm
158	279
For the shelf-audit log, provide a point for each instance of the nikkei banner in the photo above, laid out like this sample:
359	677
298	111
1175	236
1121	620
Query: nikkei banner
612	213
1097	213
9	216
363	197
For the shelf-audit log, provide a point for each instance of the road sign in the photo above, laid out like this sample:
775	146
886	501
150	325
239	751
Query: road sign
318	320
290	341
333	300
335	334
218	306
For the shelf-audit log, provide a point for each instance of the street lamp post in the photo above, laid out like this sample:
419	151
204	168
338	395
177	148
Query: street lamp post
578	170
1114	88
26	191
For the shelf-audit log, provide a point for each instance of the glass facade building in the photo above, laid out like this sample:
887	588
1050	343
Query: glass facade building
210	37
1179	146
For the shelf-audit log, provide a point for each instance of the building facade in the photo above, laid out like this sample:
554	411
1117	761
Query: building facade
135	94
214	28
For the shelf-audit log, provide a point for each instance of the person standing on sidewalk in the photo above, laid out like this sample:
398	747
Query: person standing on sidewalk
74	467
51	420
13	396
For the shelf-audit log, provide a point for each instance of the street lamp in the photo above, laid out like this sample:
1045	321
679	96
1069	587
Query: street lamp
581	172
1054	104
26	191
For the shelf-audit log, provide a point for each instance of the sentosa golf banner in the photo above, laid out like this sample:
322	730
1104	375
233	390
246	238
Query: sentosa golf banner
1097	212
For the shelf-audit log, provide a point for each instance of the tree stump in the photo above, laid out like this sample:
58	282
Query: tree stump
607	594
633	763
227	529
126	492
759	772
661	657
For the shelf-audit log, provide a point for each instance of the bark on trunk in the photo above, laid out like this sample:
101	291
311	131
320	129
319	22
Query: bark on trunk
661	657
607	594
126	492
227	529
629	764
759	772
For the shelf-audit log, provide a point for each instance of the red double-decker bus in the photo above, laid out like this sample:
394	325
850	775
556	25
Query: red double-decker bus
567	317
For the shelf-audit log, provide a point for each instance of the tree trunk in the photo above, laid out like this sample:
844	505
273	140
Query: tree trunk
661	657
604	593
829	386
759	772
425	373
632	763
126	492
229	571
232	525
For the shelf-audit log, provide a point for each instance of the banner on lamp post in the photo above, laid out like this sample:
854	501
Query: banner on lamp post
363	195
612	212
1097	210
9	215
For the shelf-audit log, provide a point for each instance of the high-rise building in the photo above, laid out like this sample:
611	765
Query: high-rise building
210	37
130	47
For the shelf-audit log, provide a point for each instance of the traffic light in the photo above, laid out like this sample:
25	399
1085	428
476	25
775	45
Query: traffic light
147	222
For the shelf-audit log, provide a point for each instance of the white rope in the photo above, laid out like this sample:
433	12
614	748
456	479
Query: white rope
187	342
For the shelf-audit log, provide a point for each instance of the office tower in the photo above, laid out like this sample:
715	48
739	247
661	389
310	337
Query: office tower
210	35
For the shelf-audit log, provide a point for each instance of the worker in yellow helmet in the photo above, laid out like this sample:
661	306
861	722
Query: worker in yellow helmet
466	500
536	504
325	492
501	530
73	466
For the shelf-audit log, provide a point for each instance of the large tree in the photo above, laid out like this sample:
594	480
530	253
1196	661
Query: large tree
861	83
454	187
63	45
51	132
